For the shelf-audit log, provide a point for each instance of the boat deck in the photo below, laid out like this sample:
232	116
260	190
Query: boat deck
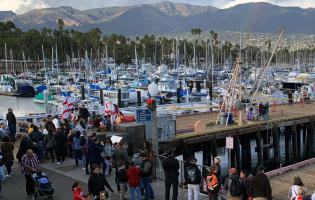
280	184
283	113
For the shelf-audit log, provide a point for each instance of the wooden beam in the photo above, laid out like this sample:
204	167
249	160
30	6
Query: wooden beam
246	162
312	137
259	148
294	143
288	135
276	146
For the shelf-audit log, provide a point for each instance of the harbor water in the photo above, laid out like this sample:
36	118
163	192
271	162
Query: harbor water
20	106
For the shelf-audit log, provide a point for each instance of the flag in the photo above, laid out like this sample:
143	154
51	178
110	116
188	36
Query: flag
65	113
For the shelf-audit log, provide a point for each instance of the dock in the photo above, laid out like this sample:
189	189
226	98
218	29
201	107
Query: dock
281	184
286	138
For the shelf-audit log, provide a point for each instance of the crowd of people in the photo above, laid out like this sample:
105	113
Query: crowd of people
60	139
237	185
57	139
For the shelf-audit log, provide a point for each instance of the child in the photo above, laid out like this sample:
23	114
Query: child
78	192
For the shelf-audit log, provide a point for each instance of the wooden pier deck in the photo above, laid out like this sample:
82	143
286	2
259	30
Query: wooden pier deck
282	114
280	184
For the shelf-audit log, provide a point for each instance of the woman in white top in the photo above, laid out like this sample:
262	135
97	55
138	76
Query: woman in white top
296	189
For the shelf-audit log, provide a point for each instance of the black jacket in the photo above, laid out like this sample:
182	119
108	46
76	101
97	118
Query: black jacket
192	174
97	183
171	167
84	113
11	118
61	140
26	143
260	186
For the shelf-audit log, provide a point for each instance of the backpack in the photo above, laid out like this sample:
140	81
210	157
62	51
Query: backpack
235	187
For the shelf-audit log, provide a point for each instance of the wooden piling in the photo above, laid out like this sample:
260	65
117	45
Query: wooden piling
294	143
312	137
237	151
288	135
259	148
276	146
246	161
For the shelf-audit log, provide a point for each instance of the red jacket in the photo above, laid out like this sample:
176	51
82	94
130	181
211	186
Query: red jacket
134	176
77	194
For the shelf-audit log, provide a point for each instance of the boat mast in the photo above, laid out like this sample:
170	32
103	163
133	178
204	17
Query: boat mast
136	59
6	58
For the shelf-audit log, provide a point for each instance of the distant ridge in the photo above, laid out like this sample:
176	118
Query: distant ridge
167	17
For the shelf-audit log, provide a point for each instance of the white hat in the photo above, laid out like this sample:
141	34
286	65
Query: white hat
217	160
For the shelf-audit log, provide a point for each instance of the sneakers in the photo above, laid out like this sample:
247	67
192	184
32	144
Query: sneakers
58	163
8	175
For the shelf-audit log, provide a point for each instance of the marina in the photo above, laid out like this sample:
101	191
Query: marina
151	93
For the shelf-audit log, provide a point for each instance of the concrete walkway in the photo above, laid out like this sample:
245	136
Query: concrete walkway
69	169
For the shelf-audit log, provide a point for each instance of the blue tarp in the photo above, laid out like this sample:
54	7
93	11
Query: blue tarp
41	88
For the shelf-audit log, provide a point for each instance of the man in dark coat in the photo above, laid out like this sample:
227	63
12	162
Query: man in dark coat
84	113
171	167
11	123
260	186
26	143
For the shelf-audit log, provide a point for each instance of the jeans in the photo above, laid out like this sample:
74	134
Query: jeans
9	165
51	152
70	150
30	187
12	129
123	187
133	191
168	185
213	196
77	156
193	191
148	191
106	167
60	152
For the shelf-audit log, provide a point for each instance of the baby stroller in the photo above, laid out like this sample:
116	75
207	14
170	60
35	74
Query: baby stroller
43	187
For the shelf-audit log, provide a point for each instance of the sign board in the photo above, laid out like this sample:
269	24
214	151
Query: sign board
229	143
143	115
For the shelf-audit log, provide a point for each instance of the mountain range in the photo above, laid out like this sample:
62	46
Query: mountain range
166	17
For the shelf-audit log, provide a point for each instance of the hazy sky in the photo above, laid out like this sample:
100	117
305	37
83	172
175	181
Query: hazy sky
21	6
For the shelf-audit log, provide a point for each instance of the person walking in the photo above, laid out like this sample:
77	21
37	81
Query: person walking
7	154
260	188
233	185
85	114
246	182
213	184
146	173
171	167
97	182
29	165
76	141
50	142
25	144
193	179
122	179
107	153
119	155
134	178
38	142
94	152
61	143
11	123
296	191
290	98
